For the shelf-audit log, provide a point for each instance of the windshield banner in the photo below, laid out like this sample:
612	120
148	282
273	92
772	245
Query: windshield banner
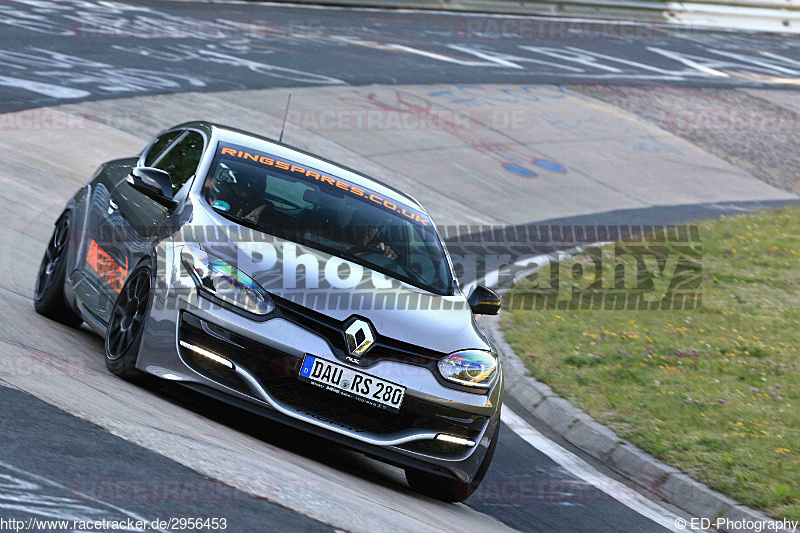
230	151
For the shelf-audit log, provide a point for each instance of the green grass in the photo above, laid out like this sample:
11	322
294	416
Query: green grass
714	391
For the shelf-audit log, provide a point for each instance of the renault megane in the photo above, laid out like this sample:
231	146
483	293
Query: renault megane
289	285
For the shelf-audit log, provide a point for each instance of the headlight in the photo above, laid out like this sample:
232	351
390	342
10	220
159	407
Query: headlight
474	368
226	282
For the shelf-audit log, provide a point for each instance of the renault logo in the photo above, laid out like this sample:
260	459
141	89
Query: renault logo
359	338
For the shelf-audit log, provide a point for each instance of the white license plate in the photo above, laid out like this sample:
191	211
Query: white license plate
352	383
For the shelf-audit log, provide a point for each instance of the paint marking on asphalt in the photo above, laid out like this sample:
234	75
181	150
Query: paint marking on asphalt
583	470
47	89
64	501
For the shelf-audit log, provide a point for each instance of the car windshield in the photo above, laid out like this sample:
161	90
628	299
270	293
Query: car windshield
329	214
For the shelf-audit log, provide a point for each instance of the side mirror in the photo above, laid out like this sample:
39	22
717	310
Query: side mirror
483	301
153	183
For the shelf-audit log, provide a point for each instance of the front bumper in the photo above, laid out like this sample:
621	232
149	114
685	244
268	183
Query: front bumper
267	356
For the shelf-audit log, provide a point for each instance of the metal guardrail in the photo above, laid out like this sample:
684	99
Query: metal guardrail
753	15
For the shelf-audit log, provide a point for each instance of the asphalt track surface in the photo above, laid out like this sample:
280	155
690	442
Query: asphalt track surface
56	465
72	50
54	473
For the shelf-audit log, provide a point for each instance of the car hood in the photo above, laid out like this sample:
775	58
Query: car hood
395	309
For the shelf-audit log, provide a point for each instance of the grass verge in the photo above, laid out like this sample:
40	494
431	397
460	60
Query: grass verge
714	391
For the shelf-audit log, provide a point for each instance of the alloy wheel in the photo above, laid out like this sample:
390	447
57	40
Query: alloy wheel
52	256
128	314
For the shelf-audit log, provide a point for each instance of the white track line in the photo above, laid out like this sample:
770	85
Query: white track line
583	470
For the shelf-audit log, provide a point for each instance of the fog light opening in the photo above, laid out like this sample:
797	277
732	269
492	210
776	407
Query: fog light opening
455	439
208	355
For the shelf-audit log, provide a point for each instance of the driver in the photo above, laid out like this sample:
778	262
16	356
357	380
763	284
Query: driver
361	237
240	192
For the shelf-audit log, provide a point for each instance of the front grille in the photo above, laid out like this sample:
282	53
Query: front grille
278	371
332	330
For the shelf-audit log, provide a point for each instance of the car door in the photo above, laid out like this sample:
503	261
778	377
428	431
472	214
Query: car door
134	222
99	258
87	278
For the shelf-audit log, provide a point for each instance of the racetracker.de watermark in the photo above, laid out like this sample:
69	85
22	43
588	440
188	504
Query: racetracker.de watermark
45	365
401	120
527	29
47	119
141	26
733	120
530	489
164	490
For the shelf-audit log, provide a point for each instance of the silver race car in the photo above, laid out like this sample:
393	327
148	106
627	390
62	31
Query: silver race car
287	285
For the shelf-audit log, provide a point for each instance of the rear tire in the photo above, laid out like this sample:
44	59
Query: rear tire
451	490
48	295
126	326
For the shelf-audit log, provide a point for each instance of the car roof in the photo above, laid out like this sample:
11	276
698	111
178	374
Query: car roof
235	135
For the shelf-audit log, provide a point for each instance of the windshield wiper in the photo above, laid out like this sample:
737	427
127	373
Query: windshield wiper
243	221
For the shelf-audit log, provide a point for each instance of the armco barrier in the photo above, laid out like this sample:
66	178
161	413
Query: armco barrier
753	15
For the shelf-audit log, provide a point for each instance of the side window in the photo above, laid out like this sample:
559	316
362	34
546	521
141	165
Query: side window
159	146
182	159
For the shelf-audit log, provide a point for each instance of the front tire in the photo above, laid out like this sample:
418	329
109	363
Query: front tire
451	490
48	295
126	326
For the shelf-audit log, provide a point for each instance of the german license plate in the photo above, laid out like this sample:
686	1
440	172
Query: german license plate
352	383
